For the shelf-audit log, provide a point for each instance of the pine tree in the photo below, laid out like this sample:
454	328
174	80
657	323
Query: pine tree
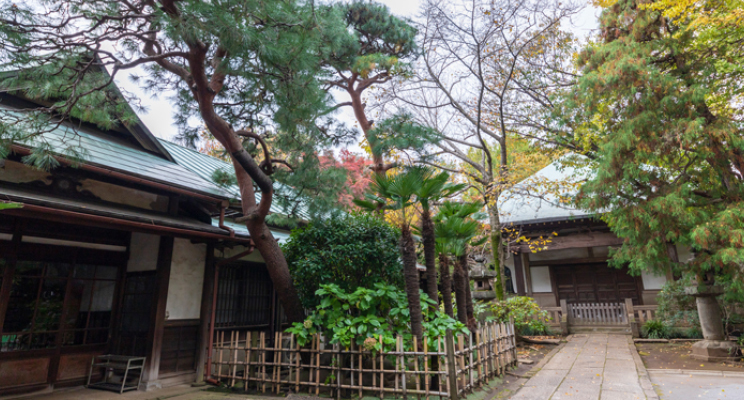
247	69
373	48
661	121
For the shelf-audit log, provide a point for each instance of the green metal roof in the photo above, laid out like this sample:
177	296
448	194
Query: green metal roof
121	157
205	166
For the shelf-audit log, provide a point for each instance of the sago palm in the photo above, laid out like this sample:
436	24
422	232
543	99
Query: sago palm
397	193
433	188
455	229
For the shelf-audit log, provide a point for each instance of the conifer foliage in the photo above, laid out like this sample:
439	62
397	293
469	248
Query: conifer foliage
246	70
661	120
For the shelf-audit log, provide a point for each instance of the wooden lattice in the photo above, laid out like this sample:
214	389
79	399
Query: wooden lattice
254	362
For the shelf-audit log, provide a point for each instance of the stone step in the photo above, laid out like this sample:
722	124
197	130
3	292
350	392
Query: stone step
621	329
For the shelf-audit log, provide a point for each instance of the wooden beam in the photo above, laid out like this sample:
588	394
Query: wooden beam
525	258
592	239
519	274
205	314
569	261
157	325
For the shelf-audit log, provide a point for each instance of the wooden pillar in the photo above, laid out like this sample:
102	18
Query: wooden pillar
157	318
634	329
564	317
205	315
519	274
525	258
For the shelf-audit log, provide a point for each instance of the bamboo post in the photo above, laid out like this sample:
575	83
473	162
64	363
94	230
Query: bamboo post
382	369
449	343
249	369
471	369
427	378
416	367
317	365
360	358
402	367
234	352
461	359
496	348
374	369
296	346
395	375
263	362
513	338
479	354
277	361
337	354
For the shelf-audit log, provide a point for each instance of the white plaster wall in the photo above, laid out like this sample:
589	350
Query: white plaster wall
143	252
186	280
558	255
16	172
227	253
123	195
601	251
541	279
652	281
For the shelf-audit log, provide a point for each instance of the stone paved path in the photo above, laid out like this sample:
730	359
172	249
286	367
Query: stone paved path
591	367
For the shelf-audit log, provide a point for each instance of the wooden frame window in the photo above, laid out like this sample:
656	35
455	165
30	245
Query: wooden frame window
49	299
244	296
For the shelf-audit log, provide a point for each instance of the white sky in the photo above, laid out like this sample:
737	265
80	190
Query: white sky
159	115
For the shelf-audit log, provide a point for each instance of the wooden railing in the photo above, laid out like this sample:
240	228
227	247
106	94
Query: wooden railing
597	314
554	316
645	313
448	367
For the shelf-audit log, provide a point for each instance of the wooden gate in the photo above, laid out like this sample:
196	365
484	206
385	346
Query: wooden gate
597	314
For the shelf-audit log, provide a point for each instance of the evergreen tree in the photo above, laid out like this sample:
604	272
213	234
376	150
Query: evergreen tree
373	48
247	69
661	121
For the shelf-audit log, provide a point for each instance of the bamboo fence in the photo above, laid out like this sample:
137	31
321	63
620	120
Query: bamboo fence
251	361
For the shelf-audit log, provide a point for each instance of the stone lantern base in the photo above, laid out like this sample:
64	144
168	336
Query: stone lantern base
715	350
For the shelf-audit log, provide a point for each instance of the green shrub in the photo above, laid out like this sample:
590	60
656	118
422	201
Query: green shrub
656	329
693	332
366	315
677	308
529	319
349	251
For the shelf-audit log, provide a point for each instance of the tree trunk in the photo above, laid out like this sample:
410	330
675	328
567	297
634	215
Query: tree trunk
446	282
378	163
269	248
408	251
430	255
469	311
496	248
460	281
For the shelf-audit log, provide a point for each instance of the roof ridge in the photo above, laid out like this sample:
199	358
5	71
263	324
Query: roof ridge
194	151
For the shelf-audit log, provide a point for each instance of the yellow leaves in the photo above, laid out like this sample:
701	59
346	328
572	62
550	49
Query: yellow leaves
604	3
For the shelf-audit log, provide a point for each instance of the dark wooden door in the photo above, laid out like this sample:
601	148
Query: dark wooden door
595	283
134	321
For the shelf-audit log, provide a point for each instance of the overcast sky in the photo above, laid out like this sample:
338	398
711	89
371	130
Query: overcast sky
159	115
